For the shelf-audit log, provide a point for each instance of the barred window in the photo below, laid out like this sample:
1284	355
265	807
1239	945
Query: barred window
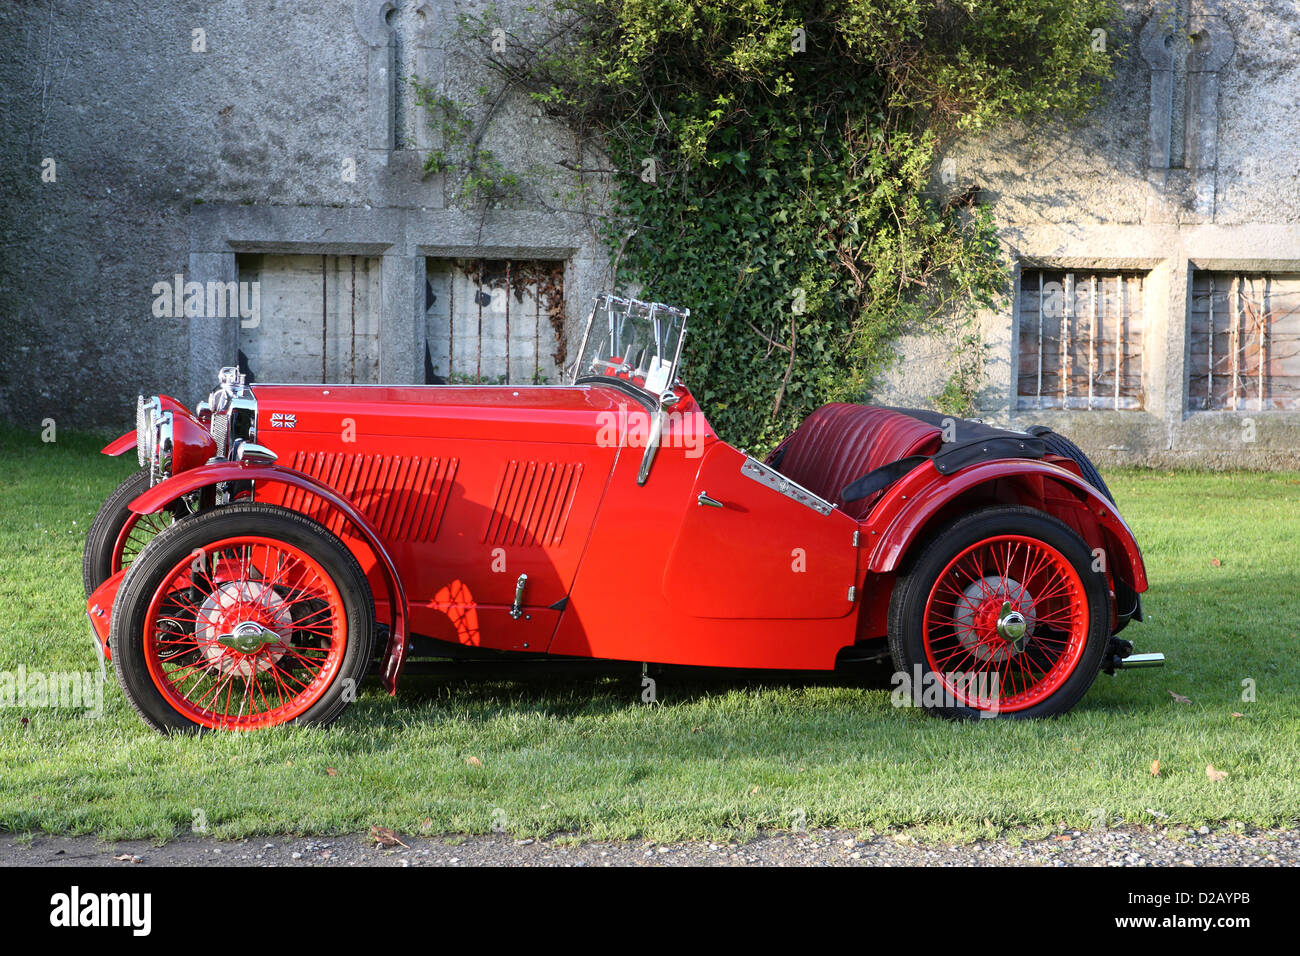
319	318
1080	341
494	321
1244	342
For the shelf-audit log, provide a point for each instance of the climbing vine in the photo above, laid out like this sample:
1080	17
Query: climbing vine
773	168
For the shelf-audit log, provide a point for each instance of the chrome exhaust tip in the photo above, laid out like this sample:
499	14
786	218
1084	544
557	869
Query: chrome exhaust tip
1134	661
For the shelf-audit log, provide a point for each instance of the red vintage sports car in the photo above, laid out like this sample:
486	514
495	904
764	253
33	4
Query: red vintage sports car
283	537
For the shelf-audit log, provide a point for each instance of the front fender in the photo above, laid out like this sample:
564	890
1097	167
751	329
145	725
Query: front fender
206	475
120	446
899	517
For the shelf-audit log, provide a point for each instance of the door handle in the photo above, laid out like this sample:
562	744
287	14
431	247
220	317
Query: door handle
705	501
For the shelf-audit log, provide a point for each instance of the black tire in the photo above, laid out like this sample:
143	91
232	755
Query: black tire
175	544
97	560
912	592
1058	444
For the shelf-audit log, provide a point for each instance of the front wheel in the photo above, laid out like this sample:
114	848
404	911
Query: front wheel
1001	615
118	534
242	617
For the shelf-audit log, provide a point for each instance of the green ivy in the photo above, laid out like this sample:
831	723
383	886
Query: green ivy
774	167
481	176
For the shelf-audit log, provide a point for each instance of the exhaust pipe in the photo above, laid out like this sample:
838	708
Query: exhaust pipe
1134	661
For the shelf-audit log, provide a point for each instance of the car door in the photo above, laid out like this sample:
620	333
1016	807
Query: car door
753	544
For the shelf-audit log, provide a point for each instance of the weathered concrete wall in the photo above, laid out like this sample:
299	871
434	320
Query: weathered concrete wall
1103	195
173	159
281	128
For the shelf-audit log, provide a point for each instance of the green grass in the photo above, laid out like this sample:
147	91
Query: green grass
720	754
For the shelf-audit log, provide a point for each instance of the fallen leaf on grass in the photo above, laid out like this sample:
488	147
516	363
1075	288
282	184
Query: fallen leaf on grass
1179	698
385	837
1215	563
1155	768
331	771
1235	714
474	761
426	825
1213	774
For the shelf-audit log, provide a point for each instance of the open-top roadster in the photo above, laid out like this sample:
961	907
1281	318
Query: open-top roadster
282	537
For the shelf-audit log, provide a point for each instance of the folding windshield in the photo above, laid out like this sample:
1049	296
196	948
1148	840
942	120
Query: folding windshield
637	342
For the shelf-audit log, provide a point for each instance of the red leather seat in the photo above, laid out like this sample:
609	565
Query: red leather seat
839	443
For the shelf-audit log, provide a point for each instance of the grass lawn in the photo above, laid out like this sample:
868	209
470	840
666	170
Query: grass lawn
719	755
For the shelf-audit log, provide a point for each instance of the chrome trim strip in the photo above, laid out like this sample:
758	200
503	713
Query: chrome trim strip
766	475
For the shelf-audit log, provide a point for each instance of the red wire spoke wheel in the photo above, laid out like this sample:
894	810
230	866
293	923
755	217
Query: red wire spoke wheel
248	633
243	617
117	534
1001	614
1005	624
137	531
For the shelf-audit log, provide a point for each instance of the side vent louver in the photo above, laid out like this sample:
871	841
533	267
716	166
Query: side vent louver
404	497
532	504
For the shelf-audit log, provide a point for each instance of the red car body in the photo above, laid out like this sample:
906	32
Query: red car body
525	518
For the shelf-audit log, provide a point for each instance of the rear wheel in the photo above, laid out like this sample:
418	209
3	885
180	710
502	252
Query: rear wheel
242	617
1001	615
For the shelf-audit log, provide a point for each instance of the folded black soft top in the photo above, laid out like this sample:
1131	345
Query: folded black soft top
969	443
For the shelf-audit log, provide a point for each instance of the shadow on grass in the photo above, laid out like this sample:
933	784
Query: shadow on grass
554	686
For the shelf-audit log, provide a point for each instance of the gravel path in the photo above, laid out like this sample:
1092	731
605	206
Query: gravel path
1129	846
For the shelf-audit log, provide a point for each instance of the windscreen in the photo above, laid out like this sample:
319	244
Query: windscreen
639	342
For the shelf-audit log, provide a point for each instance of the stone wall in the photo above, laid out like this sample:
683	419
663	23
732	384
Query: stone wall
1189	165
141	141
144	140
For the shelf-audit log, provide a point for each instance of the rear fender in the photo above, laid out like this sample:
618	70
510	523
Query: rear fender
898	522
206	475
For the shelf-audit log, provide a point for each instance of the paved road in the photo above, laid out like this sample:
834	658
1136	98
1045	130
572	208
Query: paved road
1128	846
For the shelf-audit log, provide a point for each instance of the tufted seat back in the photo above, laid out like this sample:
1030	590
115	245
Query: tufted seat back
839	443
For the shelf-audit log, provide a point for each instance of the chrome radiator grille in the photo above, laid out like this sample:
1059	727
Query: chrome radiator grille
220	431
142	424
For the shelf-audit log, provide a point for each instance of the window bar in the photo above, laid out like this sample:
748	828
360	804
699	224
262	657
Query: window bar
1066	309
507	321
1234	342
1119	335
1209	381
324	323
1263	321
1141	308
1039	394
353	370
482	270
1092	338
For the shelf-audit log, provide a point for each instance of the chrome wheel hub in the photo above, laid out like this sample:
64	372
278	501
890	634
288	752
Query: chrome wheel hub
1012	627
242	628
994	618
